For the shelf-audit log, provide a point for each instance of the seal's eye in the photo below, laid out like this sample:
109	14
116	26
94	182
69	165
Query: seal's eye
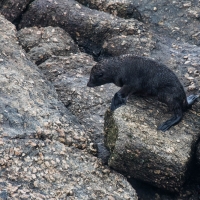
99	75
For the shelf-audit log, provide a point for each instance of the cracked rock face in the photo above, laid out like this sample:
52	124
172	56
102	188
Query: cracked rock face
42	145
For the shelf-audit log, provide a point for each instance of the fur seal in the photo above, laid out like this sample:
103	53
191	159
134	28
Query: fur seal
139	74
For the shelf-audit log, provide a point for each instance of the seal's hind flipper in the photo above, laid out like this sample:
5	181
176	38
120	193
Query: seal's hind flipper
117	101
169	123
191	99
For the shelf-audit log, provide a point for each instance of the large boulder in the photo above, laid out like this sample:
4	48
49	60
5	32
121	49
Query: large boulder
43	146
141	151
178	19
40	44
12	9
29	105
69	75
88	27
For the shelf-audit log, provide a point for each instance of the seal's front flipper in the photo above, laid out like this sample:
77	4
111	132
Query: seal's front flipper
121	97
117	101
169	123
191	99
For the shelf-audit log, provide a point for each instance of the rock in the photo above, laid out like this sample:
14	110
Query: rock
89	28
175	58
141	44
194	12
12	9
29	105
177	19
142	152
69	76
43	147
124	9
42	43
53	170
172	26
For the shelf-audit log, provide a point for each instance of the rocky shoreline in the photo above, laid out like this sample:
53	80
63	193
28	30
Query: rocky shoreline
54	129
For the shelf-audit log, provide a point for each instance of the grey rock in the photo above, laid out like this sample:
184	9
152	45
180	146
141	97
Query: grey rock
142	152
183	59
124	9
12	9
53	170
88	28
177	19
29	105
69	75
40	44
43	146
141	44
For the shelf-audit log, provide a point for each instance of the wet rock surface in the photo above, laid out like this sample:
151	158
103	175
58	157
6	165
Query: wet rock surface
141	45
177	19
88	104
43	146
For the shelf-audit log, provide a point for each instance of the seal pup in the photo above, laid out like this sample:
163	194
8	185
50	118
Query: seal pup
136	74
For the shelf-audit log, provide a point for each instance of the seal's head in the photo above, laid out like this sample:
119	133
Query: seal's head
99	75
